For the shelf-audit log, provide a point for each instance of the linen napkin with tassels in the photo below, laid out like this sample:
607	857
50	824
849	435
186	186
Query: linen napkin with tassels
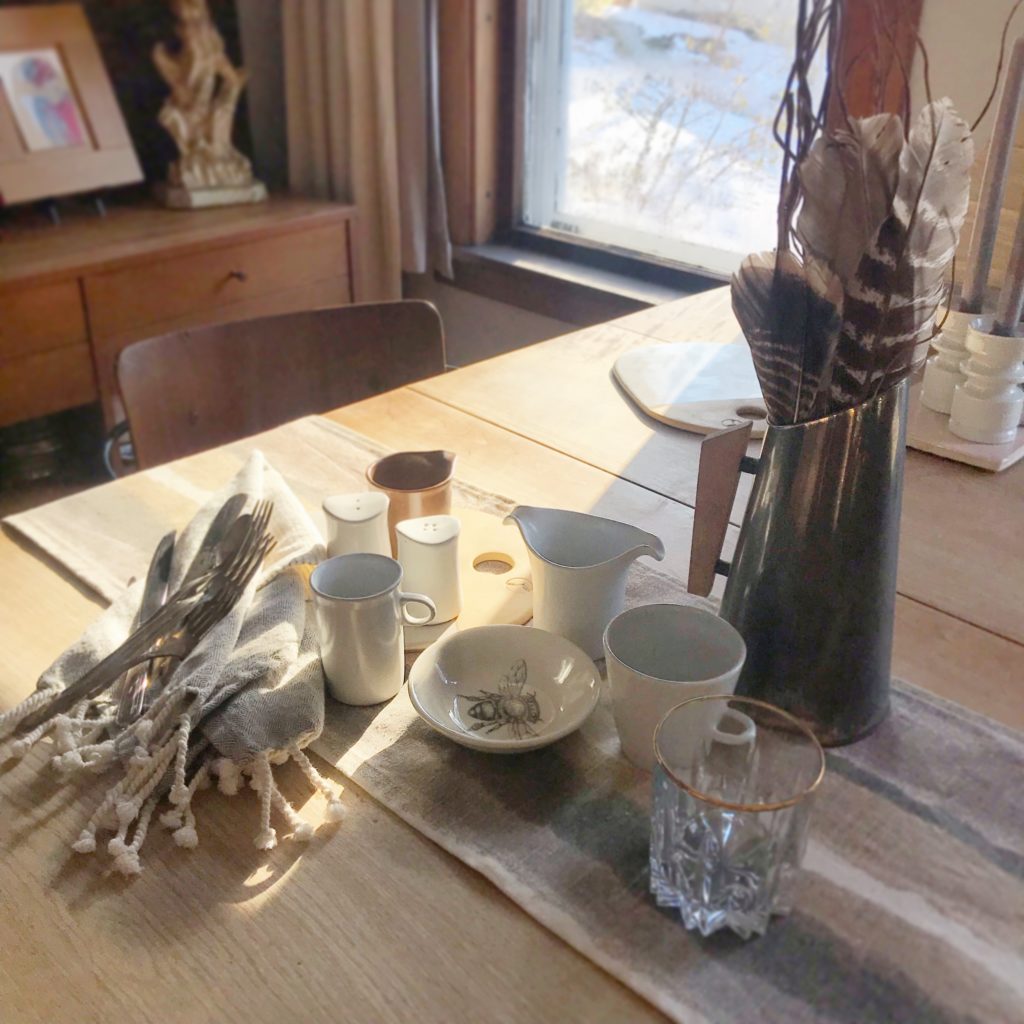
251	695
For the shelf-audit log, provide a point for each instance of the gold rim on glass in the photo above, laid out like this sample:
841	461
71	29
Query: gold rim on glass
728	805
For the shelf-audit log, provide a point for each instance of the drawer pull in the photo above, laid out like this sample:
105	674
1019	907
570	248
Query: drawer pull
238	275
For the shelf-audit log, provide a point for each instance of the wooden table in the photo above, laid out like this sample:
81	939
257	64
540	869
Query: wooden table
377	923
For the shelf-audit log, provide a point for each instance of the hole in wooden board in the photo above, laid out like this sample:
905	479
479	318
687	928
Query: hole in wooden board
752	412
493	562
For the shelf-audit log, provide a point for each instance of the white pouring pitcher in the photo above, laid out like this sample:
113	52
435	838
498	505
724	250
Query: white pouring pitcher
579	565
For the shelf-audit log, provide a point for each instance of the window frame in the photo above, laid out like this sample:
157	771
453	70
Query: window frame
549	29
483	45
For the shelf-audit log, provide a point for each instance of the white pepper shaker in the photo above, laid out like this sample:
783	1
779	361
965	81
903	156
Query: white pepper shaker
428	550
357	524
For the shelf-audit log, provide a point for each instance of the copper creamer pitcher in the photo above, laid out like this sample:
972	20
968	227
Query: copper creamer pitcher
812	585
417	484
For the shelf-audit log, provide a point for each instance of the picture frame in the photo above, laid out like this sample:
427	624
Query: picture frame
61	130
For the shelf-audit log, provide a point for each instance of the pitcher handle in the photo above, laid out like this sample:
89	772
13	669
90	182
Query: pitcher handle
723	456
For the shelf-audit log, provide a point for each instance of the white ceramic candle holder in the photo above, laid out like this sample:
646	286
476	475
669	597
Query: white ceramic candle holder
955	324
428	550
357	524
942	372
987	406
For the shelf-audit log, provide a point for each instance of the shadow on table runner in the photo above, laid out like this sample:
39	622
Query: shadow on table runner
912	900
912	906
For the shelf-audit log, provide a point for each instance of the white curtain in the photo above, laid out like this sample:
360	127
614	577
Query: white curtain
363	127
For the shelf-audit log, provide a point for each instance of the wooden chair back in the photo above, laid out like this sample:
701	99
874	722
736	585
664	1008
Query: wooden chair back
195	389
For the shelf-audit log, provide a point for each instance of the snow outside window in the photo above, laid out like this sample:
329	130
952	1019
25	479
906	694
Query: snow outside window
649	123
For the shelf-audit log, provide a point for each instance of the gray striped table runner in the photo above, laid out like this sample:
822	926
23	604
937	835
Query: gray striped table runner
912	900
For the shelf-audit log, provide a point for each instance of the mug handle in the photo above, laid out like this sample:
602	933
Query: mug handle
747	732
404	599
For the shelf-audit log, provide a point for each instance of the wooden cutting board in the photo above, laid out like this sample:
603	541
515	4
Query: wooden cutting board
694	385
488	598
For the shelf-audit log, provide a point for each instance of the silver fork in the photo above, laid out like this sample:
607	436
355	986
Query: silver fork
221	588
130	653
205	615
251	544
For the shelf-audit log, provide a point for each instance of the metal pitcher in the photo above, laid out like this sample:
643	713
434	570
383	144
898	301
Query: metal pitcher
812	585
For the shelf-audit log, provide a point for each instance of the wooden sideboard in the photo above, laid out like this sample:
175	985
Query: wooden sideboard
73	295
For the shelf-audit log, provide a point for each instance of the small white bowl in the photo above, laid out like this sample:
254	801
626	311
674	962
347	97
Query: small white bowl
504	689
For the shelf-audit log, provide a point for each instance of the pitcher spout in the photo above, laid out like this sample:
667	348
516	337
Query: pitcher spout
579	565
575	540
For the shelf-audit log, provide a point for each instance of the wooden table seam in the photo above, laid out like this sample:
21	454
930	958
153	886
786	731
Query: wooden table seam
685	504
549	447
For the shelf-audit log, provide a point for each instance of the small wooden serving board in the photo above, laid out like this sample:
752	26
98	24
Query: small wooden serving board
695	385
928	431
488	598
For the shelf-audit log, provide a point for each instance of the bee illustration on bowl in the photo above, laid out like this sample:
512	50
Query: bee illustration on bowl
511	706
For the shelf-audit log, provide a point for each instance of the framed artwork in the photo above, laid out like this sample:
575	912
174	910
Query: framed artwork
41	99
61	131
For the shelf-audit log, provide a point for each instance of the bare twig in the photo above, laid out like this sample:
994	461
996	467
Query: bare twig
999	65
798	122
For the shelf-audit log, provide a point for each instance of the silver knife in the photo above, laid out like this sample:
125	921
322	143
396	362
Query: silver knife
205	559
138	647
154	596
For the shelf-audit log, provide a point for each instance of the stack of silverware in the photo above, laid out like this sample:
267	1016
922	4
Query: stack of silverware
167	629
208	669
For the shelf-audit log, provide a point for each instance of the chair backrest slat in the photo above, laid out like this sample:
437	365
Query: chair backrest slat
195	389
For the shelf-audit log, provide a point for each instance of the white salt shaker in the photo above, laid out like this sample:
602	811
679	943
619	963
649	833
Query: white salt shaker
987	407
428	549
357	524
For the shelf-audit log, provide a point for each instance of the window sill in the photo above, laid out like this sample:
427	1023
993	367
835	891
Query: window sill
567	285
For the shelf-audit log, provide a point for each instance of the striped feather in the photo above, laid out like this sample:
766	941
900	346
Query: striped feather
790	317
849	180
889	307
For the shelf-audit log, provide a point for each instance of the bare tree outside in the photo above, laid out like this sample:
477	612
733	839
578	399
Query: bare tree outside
669	115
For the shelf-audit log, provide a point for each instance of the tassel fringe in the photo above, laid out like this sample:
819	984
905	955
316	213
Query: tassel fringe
263	782
335	808
160	758
134	799
9	719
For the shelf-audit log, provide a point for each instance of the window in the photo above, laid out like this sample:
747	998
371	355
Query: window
648	124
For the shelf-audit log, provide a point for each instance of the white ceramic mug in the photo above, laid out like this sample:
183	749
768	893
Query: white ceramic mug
660	655
357	523
360	612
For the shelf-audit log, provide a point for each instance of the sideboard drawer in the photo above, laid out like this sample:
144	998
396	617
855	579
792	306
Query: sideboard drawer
46	382
73	296
128	300
41	317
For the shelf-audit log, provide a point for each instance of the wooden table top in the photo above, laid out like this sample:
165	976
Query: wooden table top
377	923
